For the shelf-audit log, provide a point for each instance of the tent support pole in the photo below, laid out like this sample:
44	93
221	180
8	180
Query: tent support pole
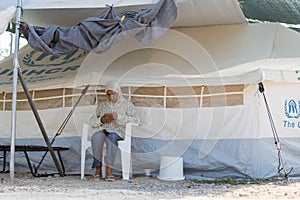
39	121
14	93
62	126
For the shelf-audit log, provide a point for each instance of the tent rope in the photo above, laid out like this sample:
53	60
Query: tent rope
281	166
21	8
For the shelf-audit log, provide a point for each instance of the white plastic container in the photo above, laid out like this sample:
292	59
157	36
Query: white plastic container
171	168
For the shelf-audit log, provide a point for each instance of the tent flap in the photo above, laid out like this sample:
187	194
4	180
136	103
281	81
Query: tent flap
5	17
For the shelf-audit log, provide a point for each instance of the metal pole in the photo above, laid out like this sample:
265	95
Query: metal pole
62	126
11	44
39	121
14	93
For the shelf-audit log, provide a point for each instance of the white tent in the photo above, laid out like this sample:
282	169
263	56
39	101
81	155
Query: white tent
195	87
61	13
5	16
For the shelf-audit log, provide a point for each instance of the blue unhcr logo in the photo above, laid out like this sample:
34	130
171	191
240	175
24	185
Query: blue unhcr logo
292	109
40	59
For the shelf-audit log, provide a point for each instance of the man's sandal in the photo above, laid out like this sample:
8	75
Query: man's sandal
96	177
110	178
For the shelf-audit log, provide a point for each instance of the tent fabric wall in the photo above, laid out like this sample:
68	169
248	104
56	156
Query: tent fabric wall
147	96
208	138
41	70
191	123
250	52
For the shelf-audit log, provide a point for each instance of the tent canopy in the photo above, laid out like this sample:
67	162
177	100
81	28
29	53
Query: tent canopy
192	13
69	13
183	56
6	15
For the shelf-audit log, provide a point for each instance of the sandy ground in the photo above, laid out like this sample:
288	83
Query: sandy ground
24	186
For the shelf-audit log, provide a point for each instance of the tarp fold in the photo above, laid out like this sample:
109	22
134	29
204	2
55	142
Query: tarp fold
102	32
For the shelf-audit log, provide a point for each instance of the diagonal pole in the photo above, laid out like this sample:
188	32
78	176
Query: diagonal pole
39	121
14	93
61	128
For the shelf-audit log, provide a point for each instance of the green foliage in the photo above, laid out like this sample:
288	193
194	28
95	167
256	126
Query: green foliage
11	27
232	181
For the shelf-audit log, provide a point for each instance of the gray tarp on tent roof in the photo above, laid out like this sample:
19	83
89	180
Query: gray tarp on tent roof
100	33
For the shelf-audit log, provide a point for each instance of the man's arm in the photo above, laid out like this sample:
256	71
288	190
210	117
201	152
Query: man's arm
96	120
130	115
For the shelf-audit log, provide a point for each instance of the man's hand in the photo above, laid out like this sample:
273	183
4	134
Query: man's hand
114	116
107	118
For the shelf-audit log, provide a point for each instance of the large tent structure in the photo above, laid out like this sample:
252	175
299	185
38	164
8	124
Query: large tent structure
196	89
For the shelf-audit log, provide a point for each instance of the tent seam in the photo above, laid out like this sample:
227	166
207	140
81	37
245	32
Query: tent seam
274	40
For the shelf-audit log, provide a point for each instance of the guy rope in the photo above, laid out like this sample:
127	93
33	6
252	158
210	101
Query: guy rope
275	136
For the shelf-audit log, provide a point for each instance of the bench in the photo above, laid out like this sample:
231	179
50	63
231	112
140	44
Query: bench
31	148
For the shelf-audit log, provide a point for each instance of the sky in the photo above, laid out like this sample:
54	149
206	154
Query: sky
6	39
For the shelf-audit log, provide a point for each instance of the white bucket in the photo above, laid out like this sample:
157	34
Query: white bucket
147	172
171	168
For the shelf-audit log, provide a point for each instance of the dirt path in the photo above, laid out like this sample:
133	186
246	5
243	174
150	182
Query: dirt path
71	187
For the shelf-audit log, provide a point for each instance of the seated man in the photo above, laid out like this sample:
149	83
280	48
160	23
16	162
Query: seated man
112	116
